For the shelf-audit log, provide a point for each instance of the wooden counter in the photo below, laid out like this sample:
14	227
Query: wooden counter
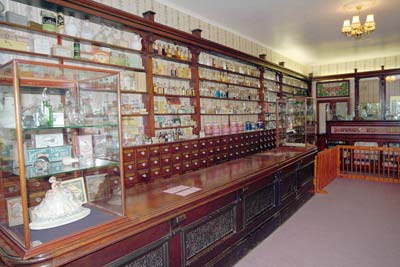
240	202
348	132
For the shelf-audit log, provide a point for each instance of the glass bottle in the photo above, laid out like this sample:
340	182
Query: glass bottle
169	52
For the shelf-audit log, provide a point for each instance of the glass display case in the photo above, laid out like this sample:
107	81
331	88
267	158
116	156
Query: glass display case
60	150
296	118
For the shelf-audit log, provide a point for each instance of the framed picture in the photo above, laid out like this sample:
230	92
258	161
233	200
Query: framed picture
77	187
85	146
96	186
14	211
333	89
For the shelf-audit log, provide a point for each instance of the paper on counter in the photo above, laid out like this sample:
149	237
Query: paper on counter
176	189
188	191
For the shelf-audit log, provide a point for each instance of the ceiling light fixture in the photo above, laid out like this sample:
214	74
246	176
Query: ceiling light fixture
390	78
355	28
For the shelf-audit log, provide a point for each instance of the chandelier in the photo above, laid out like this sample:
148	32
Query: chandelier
355	28
390	78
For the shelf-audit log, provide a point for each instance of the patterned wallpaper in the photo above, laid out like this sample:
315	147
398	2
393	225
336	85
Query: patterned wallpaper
182	21
392	62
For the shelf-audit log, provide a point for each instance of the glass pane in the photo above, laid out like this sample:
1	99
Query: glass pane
392	98
341	111
310	120
11	211
71	142
369	104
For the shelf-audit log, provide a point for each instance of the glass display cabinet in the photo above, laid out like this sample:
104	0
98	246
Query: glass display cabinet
60	152
296	118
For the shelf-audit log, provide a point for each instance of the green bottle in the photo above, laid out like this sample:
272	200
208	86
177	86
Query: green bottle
47	108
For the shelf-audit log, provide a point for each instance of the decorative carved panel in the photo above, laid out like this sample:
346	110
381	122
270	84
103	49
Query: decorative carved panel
306	174
259	201
154	255
287	185
208	231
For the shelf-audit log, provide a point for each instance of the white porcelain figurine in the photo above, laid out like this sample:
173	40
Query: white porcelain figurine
59	207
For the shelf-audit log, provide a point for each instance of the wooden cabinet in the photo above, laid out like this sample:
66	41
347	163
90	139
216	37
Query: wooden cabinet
213	226
204	152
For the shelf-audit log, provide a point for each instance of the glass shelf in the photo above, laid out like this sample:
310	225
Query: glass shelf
227	83
104	125
229	99
172	59
172	77
227	71
58	168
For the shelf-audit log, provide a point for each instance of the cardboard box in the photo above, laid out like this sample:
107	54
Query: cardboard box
53	153
62	51
16	18
49	140
100	55
12	44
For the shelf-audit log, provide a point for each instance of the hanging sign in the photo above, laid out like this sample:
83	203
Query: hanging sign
333	89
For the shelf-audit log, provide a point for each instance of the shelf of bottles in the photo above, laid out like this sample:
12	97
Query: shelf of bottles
311	124
171	61
57	36
229	95
296	118
174	94
282	120
134	106
271	95
296	108
292	87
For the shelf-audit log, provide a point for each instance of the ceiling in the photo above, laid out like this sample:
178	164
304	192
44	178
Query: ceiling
307	31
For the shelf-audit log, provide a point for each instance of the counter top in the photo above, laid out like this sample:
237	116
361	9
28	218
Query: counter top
148	206
148	201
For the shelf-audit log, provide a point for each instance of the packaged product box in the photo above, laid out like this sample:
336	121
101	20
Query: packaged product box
100	55
16	18
62	51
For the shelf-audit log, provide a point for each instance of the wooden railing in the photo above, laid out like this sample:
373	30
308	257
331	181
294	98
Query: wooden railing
381	164
369	163
326	168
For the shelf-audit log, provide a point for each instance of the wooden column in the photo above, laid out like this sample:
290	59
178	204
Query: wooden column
356	97
149	124
196	86
382	96
261	117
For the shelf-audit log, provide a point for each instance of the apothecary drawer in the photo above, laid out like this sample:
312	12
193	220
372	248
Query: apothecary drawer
154	161
38	185
142	153
129	155
165	160
129	167
155	172
176	148
154	151
186	146
165	149
143	175
142	164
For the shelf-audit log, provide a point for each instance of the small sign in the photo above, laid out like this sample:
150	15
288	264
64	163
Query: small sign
333	89
52	153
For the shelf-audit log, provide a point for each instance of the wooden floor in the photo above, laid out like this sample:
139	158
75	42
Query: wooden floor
357	224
